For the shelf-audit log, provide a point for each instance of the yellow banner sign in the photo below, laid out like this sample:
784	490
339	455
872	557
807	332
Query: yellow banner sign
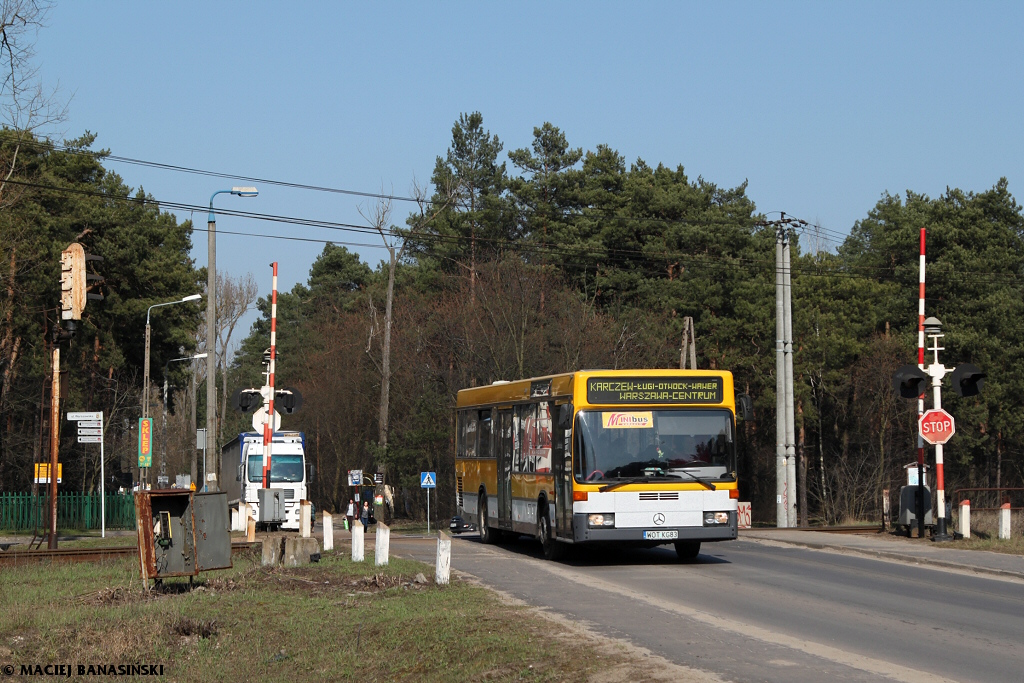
43	472
633	420
145	442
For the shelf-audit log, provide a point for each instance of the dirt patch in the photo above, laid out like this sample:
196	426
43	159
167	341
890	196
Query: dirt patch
187	626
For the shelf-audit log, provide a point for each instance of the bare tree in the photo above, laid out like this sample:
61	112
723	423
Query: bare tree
27	107
395	242
234	299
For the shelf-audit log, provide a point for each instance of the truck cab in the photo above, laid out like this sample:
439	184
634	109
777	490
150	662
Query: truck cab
242	471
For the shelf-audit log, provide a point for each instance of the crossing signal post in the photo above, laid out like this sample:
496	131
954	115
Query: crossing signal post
936	426
74	294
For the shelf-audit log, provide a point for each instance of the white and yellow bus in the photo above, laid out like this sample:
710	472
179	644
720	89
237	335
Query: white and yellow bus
641	457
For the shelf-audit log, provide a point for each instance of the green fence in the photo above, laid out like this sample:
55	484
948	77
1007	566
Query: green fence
25	512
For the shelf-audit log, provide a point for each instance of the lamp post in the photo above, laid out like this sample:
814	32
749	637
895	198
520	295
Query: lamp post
211	323
163	435
145	372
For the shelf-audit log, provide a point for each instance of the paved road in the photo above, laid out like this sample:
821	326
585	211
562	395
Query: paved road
754	610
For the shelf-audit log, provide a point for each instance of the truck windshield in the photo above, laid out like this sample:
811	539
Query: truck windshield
283	468
613	445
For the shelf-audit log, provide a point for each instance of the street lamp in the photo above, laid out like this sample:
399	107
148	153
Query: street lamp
211	319
145	372
163	436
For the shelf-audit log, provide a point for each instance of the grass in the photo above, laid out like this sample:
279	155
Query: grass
334	620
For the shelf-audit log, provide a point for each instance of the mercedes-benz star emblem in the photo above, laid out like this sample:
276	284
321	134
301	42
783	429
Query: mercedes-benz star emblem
659	518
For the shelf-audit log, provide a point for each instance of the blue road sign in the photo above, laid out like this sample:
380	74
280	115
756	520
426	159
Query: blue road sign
428	480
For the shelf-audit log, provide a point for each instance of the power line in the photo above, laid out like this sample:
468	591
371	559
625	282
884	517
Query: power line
611	256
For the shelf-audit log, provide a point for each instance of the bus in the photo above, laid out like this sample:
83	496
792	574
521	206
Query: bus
629	457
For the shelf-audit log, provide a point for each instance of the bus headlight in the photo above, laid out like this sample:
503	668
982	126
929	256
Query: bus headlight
715	518
605	519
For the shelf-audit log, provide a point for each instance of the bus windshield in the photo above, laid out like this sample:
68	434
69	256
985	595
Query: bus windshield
620	444
283	468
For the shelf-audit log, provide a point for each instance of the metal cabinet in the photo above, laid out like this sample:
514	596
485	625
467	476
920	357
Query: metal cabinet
182	532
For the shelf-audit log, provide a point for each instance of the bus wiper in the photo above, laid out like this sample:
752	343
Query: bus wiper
636	480
700	480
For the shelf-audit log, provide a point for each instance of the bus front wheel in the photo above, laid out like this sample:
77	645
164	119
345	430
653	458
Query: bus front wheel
553	550
687	550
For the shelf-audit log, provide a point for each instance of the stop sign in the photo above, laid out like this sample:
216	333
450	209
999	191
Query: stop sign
936	426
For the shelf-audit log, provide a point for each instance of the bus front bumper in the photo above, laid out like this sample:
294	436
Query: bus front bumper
661	534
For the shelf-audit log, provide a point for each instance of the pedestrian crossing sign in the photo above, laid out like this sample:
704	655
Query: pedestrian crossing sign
428	480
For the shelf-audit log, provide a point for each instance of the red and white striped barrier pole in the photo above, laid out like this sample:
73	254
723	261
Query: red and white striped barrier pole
268	425
920	399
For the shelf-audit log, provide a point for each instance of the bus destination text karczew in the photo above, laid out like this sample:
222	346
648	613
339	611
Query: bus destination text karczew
655	390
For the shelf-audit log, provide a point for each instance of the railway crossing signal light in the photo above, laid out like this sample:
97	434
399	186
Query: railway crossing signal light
968	379
909	381
288	400
246	400
74	282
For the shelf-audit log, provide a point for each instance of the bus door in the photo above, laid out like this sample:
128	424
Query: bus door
561	469
504	463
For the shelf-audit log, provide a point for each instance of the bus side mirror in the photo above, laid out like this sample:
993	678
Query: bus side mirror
311	474
745	407
565	415
241	473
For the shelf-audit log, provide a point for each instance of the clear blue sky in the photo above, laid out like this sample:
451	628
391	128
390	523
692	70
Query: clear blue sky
821	106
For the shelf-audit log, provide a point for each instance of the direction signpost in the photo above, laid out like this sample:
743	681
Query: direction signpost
428	480
90	430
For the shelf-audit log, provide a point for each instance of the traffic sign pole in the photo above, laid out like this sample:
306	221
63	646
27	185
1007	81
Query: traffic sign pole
936	370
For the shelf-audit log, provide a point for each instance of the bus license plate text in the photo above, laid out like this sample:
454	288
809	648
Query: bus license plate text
661	535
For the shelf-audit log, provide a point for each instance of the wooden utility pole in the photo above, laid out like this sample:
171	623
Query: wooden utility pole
54	439
689	344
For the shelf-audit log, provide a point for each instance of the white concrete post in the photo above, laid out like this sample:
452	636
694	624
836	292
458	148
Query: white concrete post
236	519
244	515
305	518
328	531
250	530
965	518
444	558
382	546
1004	522
357	541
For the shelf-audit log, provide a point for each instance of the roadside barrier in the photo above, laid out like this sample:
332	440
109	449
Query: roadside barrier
25	512
965	518
1004	522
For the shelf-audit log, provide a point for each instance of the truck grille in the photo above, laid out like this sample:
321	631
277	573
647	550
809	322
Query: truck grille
289	494
659	495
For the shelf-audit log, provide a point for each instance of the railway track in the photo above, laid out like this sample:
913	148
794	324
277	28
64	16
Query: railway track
12	558
851	529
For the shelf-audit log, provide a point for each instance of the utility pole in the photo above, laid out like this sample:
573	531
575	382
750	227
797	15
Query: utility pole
689	346
787	305
781	516
785	436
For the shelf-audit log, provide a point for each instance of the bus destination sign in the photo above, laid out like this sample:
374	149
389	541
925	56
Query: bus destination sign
619	390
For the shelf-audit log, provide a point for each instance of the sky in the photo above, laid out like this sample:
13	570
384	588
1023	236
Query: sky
820	107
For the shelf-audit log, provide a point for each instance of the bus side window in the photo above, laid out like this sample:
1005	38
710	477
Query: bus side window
460	434
469	438
517	438
484	430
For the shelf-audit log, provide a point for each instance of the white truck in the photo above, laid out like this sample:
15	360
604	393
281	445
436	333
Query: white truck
242	472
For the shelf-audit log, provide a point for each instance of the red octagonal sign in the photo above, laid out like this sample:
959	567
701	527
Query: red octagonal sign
936	426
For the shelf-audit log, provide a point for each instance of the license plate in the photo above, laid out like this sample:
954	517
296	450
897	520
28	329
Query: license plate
661	535
453	525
